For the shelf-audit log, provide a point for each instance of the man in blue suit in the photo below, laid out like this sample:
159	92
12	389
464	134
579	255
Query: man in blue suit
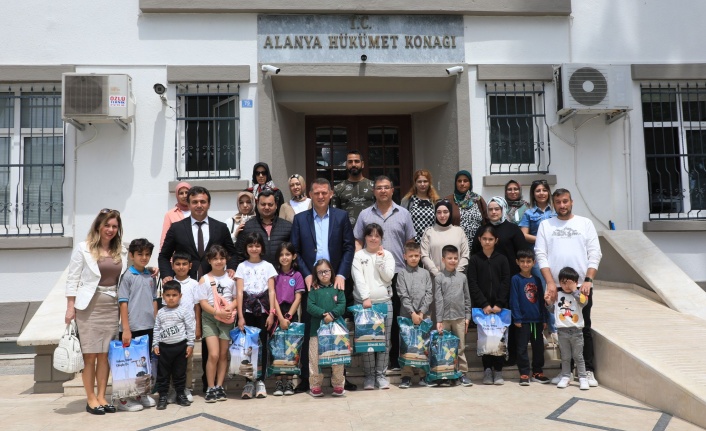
321	233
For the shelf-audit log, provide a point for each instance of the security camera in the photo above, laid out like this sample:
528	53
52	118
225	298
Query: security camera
455	70
270	69
363	58
159	88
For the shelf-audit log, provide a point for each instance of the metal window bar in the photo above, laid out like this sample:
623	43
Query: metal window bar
674	124
31	161
518	133
207	139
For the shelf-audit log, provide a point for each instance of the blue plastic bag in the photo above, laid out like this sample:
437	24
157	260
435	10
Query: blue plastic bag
443	356
492	331
414	343
246	353
131	367
285	349
334	343
369	335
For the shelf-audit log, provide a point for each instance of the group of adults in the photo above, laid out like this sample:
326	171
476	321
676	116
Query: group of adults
324	223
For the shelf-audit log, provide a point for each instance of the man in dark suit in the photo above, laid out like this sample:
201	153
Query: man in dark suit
321	233
194	235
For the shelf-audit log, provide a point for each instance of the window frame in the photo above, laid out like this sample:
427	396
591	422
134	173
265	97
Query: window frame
185	93
16	220
541	143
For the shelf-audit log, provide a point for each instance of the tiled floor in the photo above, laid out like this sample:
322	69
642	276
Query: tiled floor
508	407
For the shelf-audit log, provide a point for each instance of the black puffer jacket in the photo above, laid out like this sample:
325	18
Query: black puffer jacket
489	280
281	231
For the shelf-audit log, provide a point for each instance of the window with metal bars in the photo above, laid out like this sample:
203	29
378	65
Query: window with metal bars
518	133
208	131
674	116
31	160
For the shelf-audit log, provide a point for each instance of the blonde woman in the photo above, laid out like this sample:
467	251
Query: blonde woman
419	201
299	201
91	299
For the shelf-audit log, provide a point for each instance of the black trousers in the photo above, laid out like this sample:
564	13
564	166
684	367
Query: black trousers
304	355
259	322
204	356
171	365
530	332
395	334
493	362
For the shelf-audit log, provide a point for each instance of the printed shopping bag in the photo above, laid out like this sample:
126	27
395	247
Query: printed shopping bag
369	334
443	356
414	343
285	348
334	344
492	331
131	367
246	352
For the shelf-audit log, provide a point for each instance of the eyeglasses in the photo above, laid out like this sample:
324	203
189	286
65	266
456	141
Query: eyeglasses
260	173
107	210
324	272
383	187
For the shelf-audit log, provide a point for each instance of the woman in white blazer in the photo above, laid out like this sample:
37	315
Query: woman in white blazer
91	298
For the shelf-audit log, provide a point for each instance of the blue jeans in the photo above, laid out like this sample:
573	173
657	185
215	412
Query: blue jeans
536	271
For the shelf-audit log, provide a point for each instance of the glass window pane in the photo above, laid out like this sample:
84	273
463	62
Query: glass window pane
7	110
392	155
323	135
696	164
5	204
41	110
339	135
375	136
659	104
663	169
375	156
323	156
694	104
391	136
42	180
339	156
511	129
339	175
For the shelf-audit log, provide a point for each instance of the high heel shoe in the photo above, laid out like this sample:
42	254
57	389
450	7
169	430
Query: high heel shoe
95	410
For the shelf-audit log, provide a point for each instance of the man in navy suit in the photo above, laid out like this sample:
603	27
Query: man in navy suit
321	233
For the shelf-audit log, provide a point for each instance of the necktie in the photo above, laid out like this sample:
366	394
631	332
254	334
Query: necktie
200	247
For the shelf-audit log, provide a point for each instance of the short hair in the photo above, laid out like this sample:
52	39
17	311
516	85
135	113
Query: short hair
255	238
568	273
448	249
198	190
487	228
525	253
356	152
181	255
383	178
267	193
217	251
412	246
560	192
372	227
321	182
533	187
140	244
171	285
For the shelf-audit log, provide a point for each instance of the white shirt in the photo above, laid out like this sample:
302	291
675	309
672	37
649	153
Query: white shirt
224	286
204	229
188	293
300	206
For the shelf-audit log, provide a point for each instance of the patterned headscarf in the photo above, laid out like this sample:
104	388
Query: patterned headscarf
269	184
467	199
503	206
514	206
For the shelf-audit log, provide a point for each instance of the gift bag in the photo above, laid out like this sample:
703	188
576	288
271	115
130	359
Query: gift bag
67	356
245	353
492	331
334	344
414	343
131	367
369	334
443	356
285	348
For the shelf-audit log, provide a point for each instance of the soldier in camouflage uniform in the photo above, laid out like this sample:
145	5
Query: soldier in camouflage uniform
356	193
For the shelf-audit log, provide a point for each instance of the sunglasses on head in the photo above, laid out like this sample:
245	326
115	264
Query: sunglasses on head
107	210
538	182
294	177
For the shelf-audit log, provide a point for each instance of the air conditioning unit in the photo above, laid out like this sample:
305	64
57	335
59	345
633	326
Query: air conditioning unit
96	98
593	89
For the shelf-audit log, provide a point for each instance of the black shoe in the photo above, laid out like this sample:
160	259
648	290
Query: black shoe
109	408
302	388
162	403
350	386
182	400
95	410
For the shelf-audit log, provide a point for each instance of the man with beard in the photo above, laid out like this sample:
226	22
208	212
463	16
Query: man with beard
274	230
355	193
570	240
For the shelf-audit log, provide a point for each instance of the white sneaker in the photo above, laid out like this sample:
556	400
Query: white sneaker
563	383
488	376
592	382
583	384
557	378
171	396
128	405
145	400
187	392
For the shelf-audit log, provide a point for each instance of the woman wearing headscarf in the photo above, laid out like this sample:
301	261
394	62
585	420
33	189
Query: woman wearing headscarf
468	208
443	233
516	205
246	210
299	202
262	180
180	210
419	201
510	237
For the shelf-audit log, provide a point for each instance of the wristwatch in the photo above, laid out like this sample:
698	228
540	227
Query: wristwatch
588	280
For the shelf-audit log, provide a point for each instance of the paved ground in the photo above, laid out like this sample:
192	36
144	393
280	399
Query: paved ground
508	407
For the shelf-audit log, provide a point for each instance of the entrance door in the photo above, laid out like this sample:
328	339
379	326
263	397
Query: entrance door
384	142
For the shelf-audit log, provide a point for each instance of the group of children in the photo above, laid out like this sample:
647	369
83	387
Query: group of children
266	297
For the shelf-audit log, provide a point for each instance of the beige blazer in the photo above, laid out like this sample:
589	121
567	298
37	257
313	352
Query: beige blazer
84	275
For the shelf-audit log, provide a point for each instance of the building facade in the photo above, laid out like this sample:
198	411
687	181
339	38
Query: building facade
382	78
